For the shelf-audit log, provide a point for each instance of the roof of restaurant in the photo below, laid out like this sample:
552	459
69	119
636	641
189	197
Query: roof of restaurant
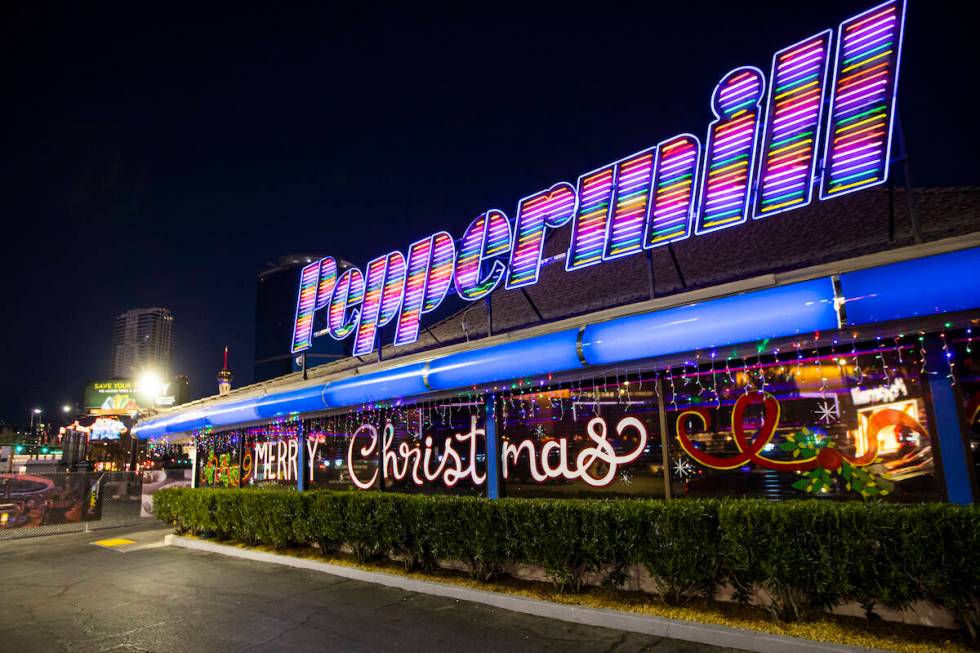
823	232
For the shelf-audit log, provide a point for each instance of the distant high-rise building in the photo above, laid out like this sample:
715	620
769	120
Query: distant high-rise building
275	310
142	340
181	389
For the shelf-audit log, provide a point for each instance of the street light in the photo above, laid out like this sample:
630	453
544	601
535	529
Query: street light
66	409
150	385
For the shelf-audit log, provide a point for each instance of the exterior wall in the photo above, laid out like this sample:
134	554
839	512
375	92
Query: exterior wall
823	419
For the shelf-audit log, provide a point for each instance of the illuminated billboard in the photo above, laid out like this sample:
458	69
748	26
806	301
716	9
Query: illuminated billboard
123	396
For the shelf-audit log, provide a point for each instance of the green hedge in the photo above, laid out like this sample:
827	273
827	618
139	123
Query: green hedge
807	555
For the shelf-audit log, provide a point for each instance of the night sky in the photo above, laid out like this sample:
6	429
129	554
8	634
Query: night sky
161	156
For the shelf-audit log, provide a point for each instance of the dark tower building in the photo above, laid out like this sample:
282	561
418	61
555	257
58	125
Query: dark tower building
275	310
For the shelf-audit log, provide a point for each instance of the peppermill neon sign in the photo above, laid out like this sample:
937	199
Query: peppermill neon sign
819	125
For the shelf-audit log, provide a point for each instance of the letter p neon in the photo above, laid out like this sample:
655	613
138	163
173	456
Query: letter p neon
429	273
384	288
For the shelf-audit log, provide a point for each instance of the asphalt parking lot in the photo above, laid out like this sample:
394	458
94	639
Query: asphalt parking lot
63	593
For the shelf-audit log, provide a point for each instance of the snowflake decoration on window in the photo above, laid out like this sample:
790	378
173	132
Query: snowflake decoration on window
539	432
625	477
828	412
683	469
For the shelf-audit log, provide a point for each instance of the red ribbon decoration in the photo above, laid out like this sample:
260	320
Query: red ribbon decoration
750	447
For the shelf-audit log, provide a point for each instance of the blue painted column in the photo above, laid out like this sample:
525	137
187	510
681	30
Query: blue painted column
195	465
493	448
300	458
953	452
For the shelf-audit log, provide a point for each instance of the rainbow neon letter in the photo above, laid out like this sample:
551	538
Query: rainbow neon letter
384	287
550	209
675	178
631	205
316	283
487	237
729	159
862	110
430	271
595	191
793	120
347	294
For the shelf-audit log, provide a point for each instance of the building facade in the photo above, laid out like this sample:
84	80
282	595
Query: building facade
758	312
142	338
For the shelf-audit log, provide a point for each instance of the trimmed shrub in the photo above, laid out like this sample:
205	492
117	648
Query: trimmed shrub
678	543
789	549
325	523
802	556
943	558
569	538
471	530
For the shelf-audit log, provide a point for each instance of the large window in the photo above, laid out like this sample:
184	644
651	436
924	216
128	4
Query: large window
436	446
816	422
834	421
600	438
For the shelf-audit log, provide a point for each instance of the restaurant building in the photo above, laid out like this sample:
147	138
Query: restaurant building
761	310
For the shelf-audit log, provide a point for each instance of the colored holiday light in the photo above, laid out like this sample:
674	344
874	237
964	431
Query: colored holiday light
342	315
305	302
595	190
549	209
675	178
862	109
730	151
796	96
383	290
488	236
631	204
429	273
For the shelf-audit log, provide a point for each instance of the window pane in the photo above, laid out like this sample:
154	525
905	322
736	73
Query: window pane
842	424
589	439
